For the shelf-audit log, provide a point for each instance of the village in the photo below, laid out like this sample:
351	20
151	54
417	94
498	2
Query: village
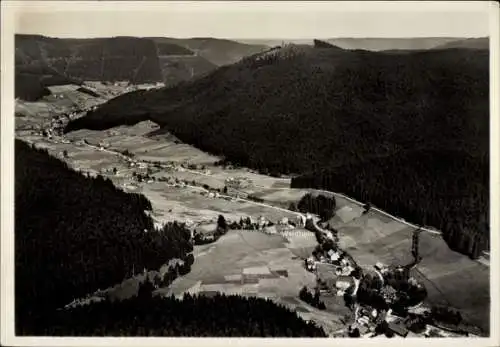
386	300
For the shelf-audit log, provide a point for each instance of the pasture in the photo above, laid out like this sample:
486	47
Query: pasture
253	264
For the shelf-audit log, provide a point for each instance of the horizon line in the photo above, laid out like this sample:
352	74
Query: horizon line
258	38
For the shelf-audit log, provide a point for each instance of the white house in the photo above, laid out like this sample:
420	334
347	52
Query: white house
343	282
346	271
333	255
301	220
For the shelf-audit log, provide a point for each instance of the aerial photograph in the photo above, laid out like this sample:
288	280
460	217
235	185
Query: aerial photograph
282	172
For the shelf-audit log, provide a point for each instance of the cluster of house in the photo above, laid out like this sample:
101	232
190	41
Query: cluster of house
401	326
367	319
339	266
207	229
250	223
284	225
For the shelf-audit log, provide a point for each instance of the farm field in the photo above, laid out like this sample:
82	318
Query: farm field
136	139
252	263
185	203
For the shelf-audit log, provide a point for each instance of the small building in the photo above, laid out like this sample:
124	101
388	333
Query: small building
271	229
398	328
310	264
334	256
301	220
344	282
347	270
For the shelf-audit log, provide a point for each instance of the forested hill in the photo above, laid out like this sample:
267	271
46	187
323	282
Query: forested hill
198	316
111	59
445	189
303	109
75	235
138	60
217	51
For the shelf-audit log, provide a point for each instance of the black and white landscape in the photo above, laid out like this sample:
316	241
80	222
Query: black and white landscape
265	187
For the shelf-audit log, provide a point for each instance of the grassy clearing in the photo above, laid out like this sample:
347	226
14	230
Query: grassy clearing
282	196
239	254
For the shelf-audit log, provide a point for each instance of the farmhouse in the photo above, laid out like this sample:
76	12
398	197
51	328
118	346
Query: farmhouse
271	229
334	256
380	267
398	328
301	220
344	282
283	221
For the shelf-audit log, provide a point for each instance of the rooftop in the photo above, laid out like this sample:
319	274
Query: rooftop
398	328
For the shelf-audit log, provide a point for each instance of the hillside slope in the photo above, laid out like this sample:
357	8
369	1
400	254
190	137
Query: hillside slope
117	58
67	244
302	109
75	235
382	44
472	43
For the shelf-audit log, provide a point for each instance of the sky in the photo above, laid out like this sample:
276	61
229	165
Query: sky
254	20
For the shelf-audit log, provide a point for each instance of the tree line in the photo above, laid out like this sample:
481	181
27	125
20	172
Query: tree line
321	205
312	299
193	316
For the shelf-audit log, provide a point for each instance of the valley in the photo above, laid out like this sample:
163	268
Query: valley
390	138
